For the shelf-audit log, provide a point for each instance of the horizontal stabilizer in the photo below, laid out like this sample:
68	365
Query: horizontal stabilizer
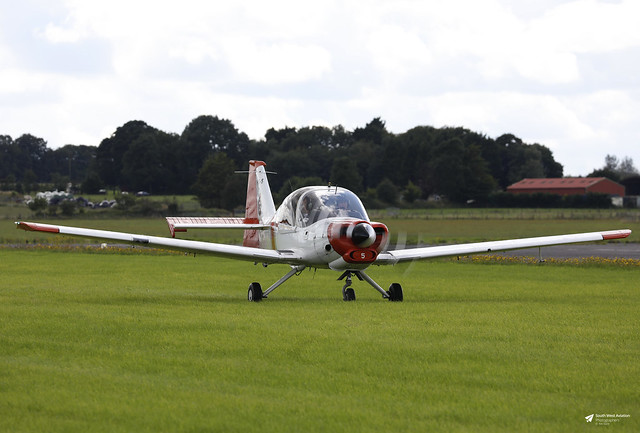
181	224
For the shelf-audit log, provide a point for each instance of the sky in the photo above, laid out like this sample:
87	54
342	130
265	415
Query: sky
565	74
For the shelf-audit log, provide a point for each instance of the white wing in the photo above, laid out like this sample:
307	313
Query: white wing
392	257
222	250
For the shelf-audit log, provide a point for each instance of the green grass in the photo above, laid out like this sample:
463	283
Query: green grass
102	342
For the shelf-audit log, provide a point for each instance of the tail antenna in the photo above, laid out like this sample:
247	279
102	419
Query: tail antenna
253	171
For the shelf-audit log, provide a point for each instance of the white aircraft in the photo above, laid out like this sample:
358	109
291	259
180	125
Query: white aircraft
314	227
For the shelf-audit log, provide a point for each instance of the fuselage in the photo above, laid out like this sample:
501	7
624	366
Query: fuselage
328	227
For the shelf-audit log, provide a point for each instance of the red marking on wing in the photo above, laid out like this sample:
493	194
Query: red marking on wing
616	234
32	227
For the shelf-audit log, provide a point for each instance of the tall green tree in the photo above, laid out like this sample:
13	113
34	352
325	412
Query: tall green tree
30	153
212	180
234	193
616	169
550	167
446	170
452	161
411	192
111	151
148	163
387	191
344	172
204	136
477	179
72	161
91	184
373	132
7	162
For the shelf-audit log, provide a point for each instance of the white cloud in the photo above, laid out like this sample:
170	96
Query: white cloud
73	70
56	34
398	51
589	26
276	63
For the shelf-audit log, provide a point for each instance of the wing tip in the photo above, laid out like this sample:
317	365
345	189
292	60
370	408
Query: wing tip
33	227
616	234
24	226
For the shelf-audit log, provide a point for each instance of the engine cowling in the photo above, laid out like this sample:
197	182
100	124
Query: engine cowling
358	241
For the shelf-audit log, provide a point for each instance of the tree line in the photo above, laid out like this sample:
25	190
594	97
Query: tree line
455	163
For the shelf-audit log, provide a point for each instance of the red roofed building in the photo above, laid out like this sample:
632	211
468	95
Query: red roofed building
567	186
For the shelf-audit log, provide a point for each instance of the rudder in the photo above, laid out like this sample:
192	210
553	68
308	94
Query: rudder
259	206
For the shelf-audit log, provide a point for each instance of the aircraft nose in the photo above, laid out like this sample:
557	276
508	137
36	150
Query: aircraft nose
363	235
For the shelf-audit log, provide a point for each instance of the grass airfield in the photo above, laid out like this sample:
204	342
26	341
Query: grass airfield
148	342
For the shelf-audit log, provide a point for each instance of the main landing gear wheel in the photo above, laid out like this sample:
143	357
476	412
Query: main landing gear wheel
348	294
395	293
255	292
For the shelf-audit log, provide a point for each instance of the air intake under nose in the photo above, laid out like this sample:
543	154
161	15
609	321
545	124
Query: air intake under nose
363	235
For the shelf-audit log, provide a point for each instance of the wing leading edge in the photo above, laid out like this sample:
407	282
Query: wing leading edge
221	250
396	256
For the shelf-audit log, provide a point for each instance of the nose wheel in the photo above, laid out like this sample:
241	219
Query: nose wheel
394	294
348	294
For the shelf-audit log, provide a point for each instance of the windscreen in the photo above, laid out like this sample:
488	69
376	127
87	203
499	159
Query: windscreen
319	203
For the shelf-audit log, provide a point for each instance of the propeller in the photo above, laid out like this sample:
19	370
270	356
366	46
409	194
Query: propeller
363	235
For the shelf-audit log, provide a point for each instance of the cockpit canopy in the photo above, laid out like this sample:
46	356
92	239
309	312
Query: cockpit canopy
312	204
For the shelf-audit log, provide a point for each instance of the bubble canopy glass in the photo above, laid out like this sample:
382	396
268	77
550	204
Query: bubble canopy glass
309	205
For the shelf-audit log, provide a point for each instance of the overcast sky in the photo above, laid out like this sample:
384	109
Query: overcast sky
565	74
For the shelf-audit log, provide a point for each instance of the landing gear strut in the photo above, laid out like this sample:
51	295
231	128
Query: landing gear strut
394	293
255	293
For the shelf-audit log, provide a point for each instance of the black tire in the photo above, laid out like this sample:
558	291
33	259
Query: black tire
255	292
349	295
395	293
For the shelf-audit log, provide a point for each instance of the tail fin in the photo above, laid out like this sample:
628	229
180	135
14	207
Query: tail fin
260	207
